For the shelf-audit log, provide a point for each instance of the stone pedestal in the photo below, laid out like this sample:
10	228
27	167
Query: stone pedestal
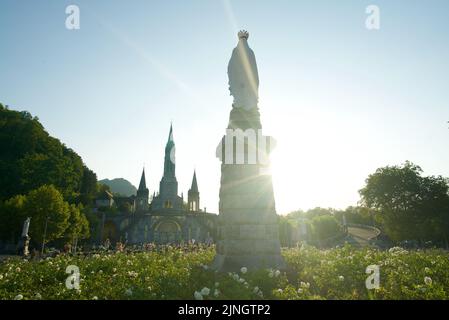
248	230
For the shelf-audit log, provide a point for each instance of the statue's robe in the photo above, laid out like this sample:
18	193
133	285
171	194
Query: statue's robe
243	76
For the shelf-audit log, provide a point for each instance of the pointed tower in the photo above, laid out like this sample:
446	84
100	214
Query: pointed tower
194	195
169	161
168	187
142	195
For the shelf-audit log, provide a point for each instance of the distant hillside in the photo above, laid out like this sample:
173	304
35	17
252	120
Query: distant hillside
120	186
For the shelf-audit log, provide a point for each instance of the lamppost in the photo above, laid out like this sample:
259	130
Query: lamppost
45	234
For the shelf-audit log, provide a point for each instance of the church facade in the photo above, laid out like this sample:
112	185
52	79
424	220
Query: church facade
165	217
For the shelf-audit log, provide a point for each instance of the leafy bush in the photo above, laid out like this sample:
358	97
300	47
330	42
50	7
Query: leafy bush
324	227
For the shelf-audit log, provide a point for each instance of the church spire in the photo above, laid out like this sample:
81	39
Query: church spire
193	198
169	161
170	135
194	186
141	201
142	184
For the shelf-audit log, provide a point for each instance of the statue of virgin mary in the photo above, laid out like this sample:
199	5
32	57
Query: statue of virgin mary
243	75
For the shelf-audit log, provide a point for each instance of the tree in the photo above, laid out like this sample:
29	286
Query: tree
357	215
12	217
88	188
46	206
30	158
325	226
411	206
78	224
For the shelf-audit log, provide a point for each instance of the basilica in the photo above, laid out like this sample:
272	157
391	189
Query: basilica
165	217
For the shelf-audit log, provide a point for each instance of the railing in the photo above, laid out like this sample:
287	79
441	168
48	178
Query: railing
364	226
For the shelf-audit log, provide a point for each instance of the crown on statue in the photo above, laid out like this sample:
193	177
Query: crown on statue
243	34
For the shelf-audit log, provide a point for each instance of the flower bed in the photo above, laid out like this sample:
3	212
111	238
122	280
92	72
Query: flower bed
176	273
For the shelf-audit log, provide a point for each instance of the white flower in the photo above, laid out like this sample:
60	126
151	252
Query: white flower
18	297
271	274
198	295
129	292
216	284
241	280
205	291
244	270
1	276
38	296
260	294
114	270
133	274
304	285
216	293
426	270
277	273
256	290
397	251
18	269
280	290
300	290
235	277
95	298
341	278
428	280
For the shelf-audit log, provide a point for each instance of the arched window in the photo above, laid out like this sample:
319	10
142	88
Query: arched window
168	204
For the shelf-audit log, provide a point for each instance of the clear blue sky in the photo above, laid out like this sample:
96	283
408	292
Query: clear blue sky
340	100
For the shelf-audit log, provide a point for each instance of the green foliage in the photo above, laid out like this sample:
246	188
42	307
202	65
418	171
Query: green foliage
356	215
286	229
43	203
410	206
12	217
46	206
321	224
177	274
324	227
78	224
30	158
